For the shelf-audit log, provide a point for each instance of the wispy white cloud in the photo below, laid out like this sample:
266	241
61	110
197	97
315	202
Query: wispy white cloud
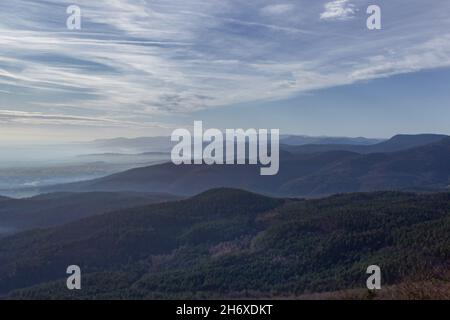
11	116
338	10
277	9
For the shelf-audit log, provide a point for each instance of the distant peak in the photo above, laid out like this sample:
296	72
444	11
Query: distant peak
223	192
420	135
231	195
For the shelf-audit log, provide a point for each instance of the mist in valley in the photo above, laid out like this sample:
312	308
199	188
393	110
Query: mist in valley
26	168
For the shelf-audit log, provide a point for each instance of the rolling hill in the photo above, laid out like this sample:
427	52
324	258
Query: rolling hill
59	208
228	243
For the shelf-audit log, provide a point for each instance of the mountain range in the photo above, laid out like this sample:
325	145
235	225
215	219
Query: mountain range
164	144
414	163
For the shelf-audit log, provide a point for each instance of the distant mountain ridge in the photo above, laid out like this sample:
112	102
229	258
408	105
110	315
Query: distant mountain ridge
292	143
297	140
164	144
426	167
396	143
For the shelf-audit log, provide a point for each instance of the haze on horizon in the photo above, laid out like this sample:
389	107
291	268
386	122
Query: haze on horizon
143	68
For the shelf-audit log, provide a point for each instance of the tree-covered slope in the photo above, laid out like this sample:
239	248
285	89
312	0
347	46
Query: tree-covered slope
59	208
230	243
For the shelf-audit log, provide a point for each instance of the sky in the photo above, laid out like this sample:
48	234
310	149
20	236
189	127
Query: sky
144	68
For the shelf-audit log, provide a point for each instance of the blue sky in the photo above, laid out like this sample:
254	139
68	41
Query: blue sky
140	68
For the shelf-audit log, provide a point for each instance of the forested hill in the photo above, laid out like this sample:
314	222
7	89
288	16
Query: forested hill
231	243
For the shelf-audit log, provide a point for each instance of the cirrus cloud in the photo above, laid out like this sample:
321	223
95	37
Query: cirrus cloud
137	62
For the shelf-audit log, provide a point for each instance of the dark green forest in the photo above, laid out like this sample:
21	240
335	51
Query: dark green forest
229	243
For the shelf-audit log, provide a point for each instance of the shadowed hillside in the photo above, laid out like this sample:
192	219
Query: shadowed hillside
58	208
4	198
423	168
